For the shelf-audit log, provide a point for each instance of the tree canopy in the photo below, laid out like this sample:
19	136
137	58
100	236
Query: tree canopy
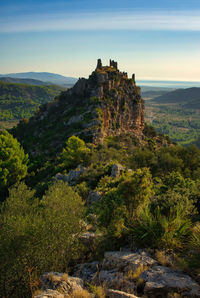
13	160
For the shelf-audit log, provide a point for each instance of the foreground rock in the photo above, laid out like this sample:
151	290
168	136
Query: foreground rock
162	280
127	260
128	273
59	285
123	274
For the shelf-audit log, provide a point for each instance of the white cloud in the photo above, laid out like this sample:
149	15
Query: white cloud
189	21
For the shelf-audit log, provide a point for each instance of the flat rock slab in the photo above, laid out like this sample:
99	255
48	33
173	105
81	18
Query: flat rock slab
116	280
160	280
125	260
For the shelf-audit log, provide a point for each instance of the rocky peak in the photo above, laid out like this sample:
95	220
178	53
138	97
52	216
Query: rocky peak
117	97
108	103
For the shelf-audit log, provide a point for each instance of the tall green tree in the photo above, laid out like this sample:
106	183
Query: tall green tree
13	161
75	152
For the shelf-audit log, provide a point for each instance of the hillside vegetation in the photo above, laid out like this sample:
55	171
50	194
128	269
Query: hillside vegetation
19	101
107	176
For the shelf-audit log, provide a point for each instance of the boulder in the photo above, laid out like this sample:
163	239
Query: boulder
117	170
74	175
60	282
127	260
161	280
75	119
93	197
86	271
60	176
115	280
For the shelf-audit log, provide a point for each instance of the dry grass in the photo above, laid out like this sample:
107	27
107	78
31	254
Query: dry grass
81	294
64	277
163	258
98	291
37	292
135	274
173	295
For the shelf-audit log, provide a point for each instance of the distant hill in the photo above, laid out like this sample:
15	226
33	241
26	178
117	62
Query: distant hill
23	81
47	77
19	101
152	94
189	97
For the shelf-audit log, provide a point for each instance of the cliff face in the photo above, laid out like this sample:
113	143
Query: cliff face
117	98
108	103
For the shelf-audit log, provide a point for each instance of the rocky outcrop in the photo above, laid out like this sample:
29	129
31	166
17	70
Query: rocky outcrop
108	103
127	260
59	285
127	273
73	176
160	280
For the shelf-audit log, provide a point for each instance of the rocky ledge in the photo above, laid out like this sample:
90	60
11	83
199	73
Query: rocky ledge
122	274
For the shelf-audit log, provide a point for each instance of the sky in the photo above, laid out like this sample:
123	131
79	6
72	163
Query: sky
156	40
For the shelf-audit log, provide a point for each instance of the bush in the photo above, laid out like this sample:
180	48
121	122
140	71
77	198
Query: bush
37	236
75	152
159	231
123	200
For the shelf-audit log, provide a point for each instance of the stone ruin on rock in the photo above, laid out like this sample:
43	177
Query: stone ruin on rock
118	99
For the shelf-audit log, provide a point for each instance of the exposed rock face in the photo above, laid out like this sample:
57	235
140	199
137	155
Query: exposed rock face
108	103
126	260
118	99
59	285
160	280
120	272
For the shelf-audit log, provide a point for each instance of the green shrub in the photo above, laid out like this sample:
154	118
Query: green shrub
37	236
159	231
122	200
75	152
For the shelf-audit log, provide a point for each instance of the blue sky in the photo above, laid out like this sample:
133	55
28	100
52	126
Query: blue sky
154	39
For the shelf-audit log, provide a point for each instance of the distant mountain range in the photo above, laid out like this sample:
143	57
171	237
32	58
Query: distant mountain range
189	98
47	77
23	81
